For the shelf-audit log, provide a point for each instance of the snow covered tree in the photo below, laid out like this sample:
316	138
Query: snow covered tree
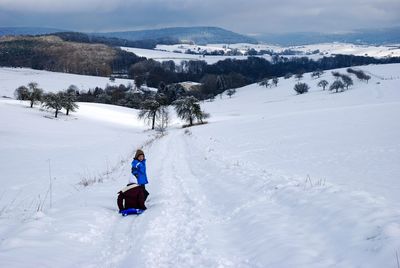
35	94
199	114
161	98
162	120
338	84
189	109
323	84
21	93
68	99
150	110
53	101
231	92
301	88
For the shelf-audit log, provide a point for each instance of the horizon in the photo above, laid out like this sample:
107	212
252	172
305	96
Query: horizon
253	35
255	17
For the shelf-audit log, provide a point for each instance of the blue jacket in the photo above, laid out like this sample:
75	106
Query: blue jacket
139	171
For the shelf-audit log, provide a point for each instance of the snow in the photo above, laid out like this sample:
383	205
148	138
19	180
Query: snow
161	56
177	52
327	49
12	78
274	179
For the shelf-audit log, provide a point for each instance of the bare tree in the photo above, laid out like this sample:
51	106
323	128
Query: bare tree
162	121
189	109
299	76
367	77
337	75
264	82
323	84
230	92
21	93
347	81
140	79
150	110
53	101
275	81
301	88
35	94
69	101
336	86
317	73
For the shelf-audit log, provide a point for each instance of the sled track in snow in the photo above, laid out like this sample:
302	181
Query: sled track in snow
207	211
179	232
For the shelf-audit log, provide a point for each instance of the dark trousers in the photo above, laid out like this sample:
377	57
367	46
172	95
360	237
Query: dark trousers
146	193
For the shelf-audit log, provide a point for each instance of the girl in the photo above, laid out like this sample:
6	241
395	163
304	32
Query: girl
139	171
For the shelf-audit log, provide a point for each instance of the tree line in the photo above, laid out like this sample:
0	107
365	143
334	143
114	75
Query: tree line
53	54
113	41
342	81
56	101
155	112
233	73
153	106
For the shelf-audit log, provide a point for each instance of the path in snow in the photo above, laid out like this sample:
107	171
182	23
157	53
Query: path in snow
178	229
207	211
217	201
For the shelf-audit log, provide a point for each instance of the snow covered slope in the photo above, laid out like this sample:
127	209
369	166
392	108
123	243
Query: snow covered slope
274	180
325	49
12	78
160	56
316	51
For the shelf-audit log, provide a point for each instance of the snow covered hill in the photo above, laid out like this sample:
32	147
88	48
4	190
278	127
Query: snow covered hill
274	180
324	49
177	52
12	78
160	55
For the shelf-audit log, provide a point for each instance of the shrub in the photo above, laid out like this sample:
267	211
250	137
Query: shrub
301	88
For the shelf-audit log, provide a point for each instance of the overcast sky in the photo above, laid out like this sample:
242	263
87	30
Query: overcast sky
247	17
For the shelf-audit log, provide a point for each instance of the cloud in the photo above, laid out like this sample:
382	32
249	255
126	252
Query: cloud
59	6
238	15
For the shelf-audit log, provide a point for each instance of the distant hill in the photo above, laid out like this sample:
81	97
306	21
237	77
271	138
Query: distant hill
52	53
112	41
144	38
28	30
209	35
382	36
198	35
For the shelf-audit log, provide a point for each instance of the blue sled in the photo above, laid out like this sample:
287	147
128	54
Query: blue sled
131	211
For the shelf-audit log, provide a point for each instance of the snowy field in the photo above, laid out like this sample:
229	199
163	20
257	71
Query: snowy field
326	49
274	180
161	56
170	52
12	78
